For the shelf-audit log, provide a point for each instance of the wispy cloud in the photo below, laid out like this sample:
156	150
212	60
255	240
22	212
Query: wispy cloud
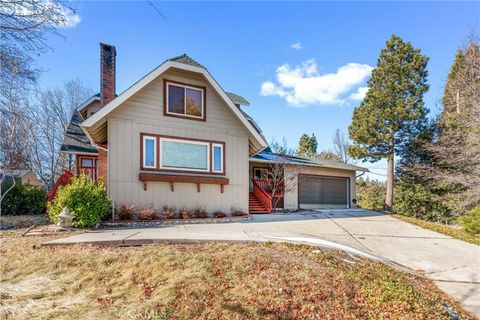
304	85
59	13
297	46
71	18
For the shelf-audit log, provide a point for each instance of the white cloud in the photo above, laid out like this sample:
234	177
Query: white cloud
359	94
57	12
297	46
71	18
304	85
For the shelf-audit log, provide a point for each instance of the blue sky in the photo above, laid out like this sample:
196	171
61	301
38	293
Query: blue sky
302	65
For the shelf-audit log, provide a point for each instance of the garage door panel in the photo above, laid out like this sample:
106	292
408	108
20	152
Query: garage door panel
323	191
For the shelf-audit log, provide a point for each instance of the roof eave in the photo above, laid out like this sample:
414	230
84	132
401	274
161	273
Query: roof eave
90	124
352	168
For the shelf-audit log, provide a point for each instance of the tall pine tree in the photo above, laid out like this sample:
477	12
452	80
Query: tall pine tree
456	150
393	110
307	146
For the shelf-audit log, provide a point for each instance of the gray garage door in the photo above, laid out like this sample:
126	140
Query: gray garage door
319	192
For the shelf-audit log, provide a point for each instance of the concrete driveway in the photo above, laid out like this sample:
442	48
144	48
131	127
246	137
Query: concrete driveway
454	265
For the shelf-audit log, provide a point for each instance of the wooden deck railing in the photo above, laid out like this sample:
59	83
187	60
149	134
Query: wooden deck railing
262	196
268	184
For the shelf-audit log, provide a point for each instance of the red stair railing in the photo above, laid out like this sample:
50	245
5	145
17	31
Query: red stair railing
262	196
64	179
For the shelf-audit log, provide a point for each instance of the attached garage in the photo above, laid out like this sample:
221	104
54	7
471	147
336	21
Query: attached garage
316	191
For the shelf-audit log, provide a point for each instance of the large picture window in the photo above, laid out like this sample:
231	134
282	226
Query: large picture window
184	100
182	154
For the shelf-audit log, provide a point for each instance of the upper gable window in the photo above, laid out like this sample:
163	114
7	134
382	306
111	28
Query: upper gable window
184	100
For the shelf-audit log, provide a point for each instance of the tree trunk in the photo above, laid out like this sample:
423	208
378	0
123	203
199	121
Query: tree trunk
389	195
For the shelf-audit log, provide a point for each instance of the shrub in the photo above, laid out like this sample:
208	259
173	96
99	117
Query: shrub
238	212
146	213
185	214
85	198
370	194
200	213
23	199
416	200
471	221
219	214
168	212
126	211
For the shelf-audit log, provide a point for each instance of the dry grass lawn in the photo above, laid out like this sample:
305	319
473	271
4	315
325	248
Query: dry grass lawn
24	221
454	232
205	281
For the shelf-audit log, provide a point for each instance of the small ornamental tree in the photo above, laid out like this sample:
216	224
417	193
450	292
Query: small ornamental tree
86	199
393	111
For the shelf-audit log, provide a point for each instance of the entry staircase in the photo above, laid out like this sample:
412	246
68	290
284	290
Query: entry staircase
260	200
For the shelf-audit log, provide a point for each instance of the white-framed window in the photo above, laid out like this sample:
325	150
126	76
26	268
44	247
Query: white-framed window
167	153
217	157
187	155
184	100
149	152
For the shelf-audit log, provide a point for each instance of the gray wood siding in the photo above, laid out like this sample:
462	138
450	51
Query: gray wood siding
143	112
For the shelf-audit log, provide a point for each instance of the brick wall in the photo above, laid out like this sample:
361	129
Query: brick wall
103	165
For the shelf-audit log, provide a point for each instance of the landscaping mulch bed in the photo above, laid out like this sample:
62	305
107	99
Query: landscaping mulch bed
162	222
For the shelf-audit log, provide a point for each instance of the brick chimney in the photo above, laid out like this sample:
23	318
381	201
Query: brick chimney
107	73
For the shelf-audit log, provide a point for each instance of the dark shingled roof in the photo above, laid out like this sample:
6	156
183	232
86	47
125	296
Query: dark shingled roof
236	99
75	139
185	59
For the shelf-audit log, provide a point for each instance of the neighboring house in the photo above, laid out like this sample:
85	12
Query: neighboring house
24	176
176	138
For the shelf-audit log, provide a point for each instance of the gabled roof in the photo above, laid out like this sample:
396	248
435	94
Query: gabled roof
94	125
237	99
268	156
185	59
15	173
75	140
95	97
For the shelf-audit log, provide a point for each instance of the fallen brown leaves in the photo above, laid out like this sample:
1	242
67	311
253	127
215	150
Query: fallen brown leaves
206	281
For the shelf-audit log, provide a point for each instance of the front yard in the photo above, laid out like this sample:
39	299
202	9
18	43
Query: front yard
232	281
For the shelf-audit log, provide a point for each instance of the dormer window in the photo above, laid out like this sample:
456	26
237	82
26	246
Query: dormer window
184	100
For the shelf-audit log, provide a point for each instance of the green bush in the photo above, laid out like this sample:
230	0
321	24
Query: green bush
370	194
414	199
86	199
471	221
23	199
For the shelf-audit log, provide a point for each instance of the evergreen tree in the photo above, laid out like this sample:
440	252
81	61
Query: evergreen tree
456	149
307	146
393	111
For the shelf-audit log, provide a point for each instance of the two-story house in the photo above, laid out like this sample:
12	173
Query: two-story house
176	138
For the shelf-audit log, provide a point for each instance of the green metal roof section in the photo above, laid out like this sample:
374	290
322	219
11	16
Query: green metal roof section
75	140
236	99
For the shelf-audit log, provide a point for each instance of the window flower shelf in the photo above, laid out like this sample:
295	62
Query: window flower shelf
198	180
